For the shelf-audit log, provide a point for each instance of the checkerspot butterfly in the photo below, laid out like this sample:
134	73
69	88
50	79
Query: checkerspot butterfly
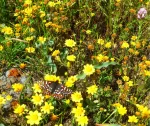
58	91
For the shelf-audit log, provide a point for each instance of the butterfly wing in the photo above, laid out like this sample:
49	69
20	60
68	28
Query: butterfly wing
61	91
57	90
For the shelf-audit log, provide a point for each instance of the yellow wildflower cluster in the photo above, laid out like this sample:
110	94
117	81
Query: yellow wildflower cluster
7	30
121	109
30	49
126	79
79	114
70	81
100	41
102	58
2	100
125	44
34	117
144	67
54	78
144	111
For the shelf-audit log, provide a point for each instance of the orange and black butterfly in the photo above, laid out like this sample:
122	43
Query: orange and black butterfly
58	91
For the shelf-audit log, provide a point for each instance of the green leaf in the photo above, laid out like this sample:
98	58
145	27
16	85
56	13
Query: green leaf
50	42
49	60
2	124
81	76
105	64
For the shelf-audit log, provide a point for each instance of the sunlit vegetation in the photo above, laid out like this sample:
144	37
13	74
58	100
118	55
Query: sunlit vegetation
75	62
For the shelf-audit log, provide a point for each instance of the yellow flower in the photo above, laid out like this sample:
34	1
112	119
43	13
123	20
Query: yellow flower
71	58
130	83
125	45
20	109
82	120
118	1
140	107
58	2
8	97
67	101
133	119
92	14
42	14
17	87
2	100
122	110
125	78
34	117
147	62
30	50
42	39
108	45
47	108
37	99
55	53
100	57
133	38
58	125
76	97
100	41
32	30
79	111
70	43
117	105
7	30
29	38
136	53
145	112
25	20
147	72
17	35
48	24
68	64
1	47
105	58
112	59
88	32
28	11
36	88
22	65
51	4
88	69
29	2
70	81
92	89
54	78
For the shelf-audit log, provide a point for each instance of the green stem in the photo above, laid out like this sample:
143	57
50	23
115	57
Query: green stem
110	115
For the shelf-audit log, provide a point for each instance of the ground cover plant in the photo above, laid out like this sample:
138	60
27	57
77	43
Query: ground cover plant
74	62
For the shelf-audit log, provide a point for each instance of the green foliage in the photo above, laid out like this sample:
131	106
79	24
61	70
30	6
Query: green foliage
50	37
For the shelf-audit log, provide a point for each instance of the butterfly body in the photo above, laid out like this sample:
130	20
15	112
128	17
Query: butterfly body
55	89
